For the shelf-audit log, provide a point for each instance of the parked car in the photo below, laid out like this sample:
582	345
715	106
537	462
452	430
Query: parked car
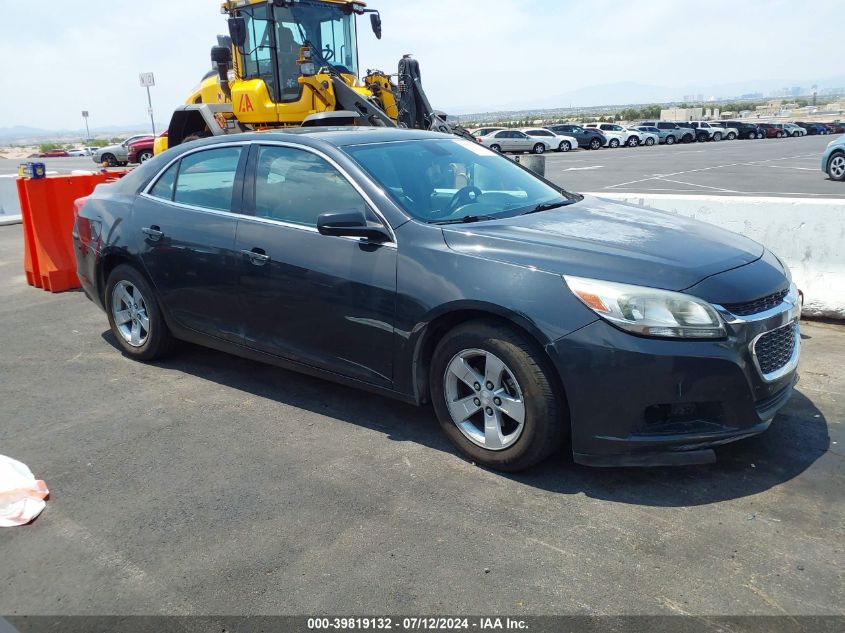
746	130
648	135
590	139
837	127
790	129
484	131
729	134
418	266
115	155
669	132
693	135
53	153
555	142
631	138
813	129
81	151
140	151
833	159
513	141
771	130
708	132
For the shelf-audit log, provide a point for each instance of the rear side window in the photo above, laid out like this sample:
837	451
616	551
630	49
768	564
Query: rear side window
296	186
207	178
164	185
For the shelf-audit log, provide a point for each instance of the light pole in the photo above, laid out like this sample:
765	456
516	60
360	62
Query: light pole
147	80
87	132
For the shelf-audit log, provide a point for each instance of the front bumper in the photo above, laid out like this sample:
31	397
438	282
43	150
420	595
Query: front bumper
645	401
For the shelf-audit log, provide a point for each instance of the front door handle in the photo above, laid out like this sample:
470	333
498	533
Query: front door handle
257	256
153	232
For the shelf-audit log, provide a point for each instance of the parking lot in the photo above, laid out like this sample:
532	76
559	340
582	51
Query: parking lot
209	484
787	167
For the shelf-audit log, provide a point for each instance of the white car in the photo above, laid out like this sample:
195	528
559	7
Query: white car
792	130
714	132
556	142
83	151
646	137
729	133
513	141
616	134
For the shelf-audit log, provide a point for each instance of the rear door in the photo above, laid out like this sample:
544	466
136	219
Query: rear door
186	229
324	301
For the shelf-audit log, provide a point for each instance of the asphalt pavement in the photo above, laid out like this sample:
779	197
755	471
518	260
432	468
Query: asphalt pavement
785	168
210	484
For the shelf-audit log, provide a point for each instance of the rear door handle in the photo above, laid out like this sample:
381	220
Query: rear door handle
257	256
153	232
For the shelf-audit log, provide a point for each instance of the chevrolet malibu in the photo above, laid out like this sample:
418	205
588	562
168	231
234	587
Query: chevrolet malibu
431	269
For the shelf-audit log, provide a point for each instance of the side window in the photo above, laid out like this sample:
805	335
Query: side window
207	178
164	185
296	186
502	135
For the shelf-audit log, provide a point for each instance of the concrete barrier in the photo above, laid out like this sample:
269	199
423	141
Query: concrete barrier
808	234
10	208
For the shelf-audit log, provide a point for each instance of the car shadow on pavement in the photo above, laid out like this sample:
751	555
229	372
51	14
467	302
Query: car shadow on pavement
797	437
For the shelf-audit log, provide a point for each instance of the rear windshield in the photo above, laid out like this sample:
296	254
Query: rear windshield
446	180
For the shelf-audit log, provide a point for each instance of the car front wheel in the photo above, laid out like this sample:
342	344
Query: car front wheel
649	141
494	396
836	167
496	148
670	140
717	137
145	155
134	315
633	141
595	144
731	136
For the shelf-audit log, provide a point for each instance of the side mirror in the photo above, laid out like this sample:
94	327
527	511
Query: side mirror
237	31
351	223
375	22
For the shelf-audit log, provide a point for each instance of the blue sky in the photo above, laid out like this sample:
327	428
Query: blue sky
474	54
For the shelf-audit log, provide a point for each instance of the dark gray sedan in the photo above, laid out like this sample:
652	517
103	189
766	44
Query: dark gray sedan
431	269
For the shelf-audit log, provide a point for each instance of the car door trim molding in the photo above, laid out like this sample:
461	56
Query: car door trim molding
145	192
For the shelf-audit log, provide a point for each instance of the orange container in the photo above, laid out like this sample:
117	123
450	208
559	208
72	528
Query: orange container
48	213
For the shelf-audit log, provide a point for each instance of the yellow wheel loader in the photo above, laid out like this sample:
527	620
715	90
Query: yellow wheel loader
295	63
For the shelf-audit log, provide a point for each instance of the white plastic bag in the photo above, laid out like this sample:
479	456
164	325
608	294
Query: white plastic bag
21	494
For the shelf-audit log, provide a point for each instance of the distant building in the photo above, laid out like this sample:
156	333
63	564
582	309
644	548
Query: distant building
682	114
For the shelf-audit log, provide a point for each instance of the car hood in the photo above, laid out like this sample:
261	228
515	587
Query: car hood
611	241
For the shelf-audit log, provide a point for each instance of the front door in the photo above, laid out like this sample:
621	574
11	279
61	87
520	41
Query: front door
321	300
186	230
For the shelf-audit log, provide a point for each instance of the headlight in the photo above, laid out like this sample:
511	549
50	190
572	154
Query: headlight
648	311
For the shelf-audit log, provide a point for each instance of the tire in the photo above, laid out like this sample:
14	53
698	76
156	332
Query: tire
779	135
752	136
796	134
614	143
595	144
539	148
110	159
633	141
145	155
496	148
687	138
670	140
128	296
521	375
717	136
565	146
836	167
649	141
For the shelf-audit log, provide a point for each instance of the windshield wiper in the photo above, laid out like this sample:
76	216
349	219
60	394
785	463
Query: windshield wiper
545	206
466	219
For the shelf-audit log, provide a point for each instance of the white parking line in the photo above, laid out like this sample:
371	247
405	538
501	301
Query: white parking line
583	168
692	184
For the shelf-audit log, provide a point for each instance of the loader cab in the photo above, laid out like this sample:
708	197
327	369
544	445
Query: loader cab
268	37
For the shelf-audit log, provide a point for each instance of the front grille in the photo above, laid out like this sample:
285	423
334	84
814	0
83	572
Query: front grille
758	305
775	348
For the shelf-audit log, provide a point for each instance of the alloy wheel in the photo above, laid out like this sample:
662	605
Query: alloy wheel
484	399
836	169
129	311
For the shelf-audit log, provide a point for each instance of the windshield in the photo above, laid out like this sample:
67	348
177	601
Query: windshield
437	180
271	50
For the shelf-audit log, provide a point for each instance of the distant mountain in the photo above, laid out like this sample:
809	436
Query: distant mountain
18	133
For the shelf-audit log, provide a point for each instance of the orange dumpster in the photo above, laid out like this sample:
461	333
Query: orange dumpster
47	212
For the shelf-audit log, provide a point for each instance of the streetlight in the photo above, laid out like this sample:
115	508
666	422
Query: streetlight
87	132
147	80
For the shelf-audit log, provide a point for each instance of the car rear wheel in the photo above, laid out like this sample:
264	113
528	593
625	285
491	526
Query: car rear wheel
494	396
614	142
633	141
731	136
752	135
565	146
649	141
110	159
595	144
670	140
717	136
539	148
134	315
145	155
836	167
496	148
